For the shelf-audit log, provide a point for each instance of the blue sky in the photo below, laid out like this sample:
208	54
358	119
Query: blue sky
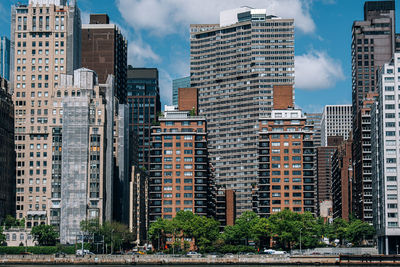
158	35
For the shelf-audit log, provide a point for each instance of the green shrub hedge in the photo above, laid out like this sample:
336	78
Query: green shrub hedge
38	250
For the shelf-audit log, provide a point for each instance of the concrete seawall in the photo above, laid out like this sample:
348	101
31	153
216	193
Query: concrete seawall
167	260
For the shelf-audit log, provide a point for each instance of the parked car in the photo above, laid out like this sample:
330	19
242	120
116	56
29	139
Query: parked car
193	254
269	251
79	252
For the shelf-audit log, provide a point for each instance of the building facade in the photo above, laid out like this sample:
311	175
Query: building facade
225	210
179	174
138	211
362	183
373	44
385	148
5	51
342	176
144	107
336	121
176	84
324	178
45	36
315	119
7	152
286	164
188	100
235	66
104	50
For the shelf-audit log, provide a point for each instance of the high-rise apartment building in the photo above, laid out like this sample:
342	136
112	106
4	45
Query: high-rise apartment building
373	44
385	144
362	183
324	177
45	37
176	84
315	119
342	175
104	50
336	121
144	107
7	152
225	210
286	164
179	174
5	58
235	66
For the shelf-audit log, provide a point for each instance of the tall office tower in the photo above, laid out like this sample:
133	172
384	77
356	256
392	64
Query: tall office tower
342	175
176	84
235	66
179	175
5	58
362	183
385	144
324	179
7	152
104	50
336	121
144	107
315	119
287	159
45	37
373	44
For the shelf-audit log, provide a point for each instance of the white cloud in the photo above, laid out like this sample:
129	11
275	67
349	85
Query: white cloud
316	70
165	87
163	17
140	53
85	17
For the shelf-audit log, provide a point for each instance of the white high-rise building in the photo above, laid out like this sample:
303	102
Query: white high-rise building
236	65
336	121
385	143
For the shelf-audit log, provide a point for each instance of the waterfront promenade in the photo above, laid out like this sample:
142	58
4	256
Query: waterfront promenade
168	260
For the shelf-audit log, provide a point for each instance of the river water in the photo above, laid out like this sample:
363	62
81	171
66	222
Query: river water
240	265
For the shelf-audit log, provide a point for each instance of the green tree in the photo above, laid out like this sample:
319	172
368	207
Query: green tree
2	235
91	226
249	226
358	230
287	226
205	232
10	221
45	235
339	229
157	233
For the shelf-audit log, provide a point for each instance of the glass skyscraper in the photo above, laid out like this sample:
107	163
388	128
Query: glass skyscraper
176	84
5	58
144	105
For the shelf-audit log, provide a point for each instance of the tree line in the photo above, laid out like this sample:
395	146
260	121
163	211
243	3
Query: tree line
282	230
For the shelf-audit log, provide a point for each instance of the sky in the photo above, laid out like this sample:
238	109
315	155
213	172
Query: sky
158	36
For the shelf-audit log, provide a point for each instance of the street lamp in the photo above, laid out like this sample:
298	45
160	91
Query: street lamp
300	240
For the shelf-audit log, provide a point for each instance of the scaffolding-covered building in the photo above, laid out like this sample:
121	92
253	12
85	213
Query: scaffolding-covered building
88	125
